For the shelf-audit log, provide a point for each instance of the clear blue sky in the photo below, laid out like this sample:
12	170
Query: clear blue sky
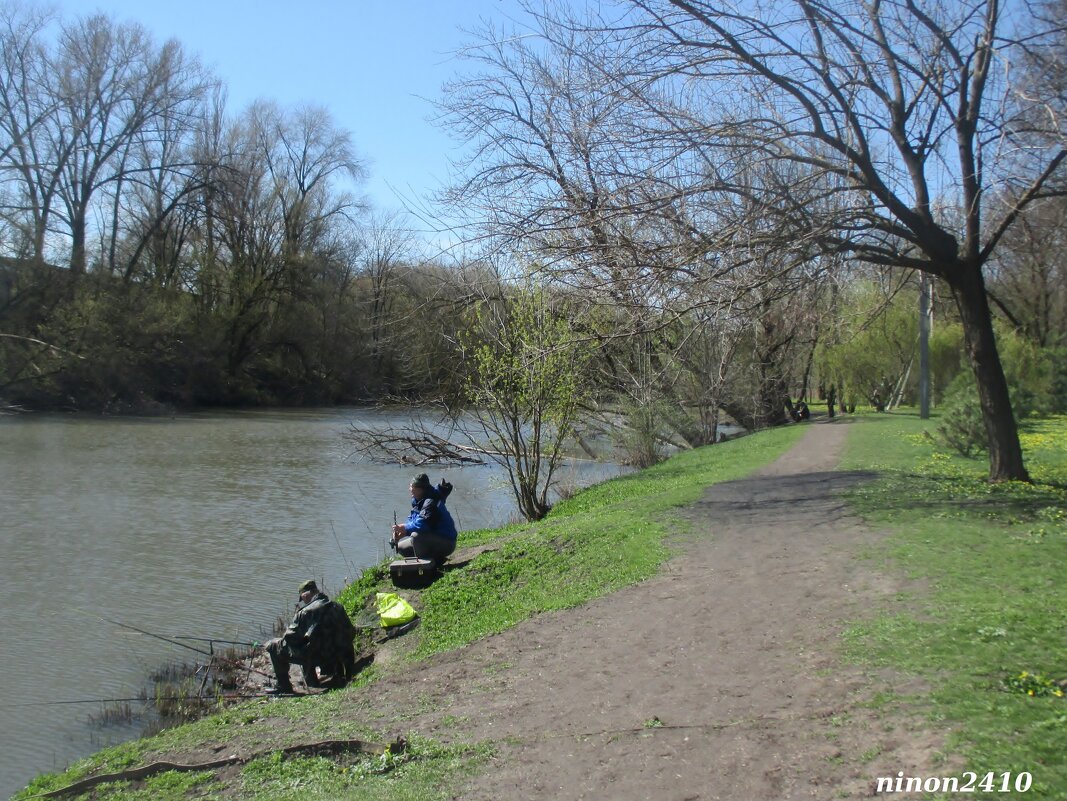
374	63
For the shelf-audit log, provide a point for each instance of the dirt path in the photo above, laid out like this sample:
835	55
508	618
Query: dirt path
732	648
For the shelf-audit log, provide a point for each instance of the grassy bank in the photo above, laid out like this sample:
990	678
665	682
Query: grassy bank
602	539
987	628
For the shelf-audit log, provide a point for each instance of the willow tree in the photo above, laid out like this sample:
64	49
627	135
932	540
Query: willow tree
564	165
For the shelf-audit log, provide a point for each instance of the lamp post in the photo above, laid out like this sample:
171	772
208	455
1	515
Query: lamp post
924	346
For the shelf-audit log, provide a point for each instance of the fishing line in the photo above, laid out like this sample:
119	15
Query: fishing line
143	699
180	644
362	517
340	550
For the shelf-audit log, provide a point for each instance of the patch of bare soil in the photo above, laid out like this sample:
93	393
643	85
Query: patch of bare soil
718	679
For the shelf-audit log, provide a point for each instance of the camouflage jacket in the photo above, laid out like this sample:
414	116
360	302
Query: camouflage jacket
321	630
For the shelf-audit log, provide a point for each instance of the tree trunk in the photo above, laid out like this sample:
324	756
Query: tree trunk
1005	453
77	252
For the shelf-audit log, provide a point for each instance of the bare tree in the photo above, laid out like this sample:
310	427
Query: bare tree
386	245
907	111
305	154
30	167
113	84
1029	282
272	206
568	171
155	199
94	111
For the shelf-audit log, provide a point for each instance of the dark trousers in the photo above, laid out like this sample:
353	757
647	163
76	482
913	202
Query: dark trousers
341	667
425	545
282	656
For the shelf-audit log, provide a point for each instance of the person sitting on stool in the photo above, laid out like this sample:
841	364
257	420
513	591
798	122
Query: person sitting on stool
429	532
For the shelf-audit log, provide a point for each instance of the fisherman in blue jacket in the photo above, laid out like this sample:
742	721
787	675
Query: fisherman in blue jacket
429	532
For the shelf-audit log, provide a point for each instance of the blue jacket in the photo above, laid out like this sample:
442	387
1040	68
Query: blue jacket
430	515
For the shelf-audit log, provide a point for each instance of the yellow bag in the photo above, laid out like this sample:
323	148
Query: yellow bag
394	610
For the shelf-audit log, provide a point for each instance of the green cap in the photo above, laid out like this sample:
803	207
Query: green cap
309	586
421	480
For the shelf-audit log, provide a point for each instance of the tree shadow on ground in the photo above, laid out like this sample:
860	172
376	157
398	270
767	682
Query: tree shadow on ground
949	493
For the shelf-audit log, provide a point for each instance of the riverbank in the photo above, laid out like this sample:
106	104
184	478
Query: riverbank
715	667
625	514
199	525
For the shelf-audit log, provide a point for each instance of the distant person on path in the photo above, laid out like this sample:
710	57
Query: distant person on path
320	636
429	532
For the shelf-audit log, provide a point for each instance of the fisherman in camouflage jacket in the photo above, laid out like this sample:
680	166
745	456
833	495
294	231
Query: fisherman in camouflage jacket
320	636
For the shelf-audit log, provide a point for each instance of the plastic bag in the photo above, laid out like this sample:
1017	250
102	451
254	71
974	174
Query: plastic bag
394	610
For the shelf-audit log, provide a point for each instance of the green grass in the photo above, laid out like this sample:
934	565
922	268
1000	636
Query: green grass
992	561
426	772
604	538
109	760
164	785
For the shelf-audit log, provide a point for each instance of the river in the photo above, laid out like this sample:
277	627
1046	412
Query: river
197	525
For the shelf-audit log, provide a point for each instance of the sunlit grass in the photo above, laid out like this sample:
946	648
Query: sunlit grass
602	539
425	772
994	559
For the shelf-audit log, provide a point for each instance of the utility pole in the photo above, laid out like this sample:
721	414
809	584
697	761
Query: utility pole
924	346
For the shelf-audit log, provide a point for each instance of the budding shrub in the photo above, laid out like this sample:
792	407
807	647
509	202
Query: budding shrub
1029	372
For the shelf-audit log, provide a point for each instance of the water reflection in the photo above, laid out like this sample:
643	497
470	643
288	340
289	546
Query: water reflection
201	525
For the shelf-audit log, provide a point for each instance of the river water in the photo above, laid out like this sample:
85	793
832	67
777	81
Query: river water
197	525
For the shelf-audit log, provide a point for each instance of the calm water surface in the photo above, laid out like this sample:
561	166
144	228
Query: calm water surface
201	525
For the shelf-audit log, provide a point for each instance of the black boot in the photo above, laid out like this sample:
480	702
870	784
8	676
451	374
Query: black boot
279	661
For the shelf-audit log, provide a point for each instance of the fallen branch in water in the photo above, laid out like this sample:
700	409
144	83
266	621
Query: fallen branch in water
415	446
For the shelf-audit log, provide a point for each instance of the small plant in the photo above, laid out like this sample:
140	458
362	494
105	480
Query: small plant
1032	684
990	633
387	762
1027	371
113	714
653	723
962	428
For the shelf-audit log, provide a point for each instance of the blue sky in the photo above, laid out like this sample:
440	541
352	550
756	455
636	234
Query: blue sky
375	64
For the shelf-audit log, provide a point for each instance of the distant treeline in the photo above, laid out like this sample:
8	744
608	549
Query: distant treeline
322	336
158	249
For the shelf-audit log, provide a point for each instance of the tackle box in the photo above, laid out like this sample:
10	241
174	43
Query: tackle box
412	573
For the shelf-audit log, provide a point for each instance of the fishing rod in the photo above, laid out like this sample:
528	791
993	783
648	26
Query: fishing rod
147	633
172	641
142	698
216	639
